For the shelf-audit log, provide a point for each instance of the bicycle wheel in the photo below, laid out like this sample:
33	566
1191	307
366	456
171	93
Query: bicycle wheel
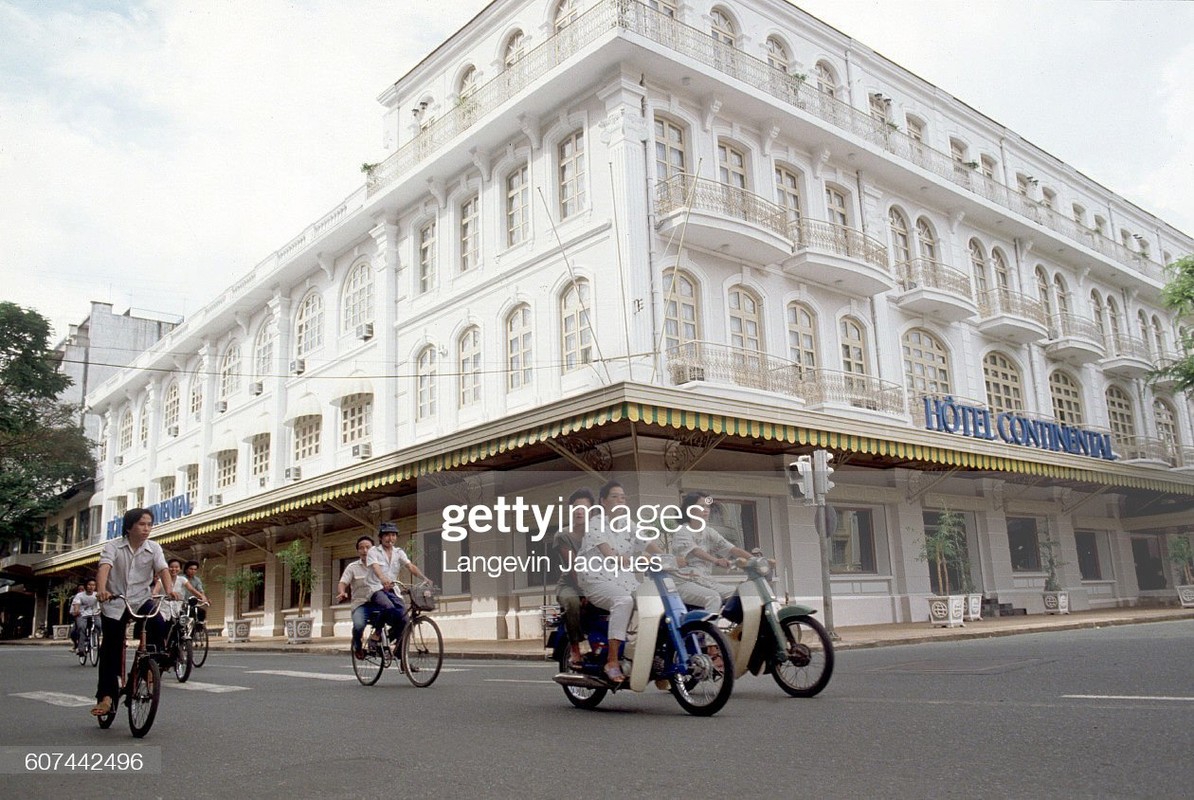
369	668
183	660
422	651
144	694
93	646
708	680
810	658
81	650
199	645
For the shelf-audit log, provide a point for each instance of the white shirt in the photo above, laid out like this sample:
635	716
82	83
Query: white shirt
356	578
88	604
623	543
687	539
132	572
391	564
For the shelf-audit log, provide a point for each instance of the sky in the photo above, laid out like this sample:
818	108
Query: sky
153	151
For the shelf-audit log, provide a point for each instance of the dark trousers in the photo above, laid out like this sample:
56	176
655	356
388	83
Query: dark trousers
569	600
392	611
111	654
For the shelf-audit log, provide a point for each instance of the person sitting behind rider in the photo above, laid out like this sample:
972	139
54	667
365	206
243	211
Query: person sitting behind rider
698	547
385	561
354	584
566	544
194	588
182	589
84	607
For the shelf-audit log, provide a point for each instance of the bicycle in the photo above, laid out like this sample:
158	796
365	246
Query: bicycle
179	647
142	688
198	631
89	643
420	647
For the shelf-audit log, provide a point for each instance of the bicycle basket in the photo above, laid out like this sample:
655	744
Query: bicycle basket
424	597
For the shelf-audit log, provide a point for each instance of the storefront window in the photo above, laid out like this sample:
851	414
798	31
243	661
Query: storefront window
1088	555
852	547
1023	543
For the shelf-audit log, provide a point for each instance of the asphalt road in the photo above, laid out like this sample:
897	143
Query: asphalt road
1091	713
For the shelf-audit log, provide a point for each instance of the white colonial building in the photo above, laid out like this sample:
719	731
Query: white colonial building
679	244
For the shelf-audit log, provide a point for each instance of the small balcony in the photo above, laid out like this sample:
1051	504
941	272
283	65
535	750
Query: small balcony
827	388
1012	316
1167	359
722	218
1129	358
1147	450
839	257
1074	339
1185	458
708	362
934	290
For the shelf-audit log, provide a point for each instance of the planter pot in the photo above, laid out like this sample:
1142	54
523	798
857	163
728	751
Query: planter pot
948	611
238	630
974	607
1186	595
298	629
1057	602
62	631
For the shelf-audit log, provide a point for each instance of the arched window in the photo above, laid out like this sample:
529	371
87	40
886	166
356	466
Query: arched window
126	432
263	350
999	269
901	241
787	192
802	336
1100	317
518	206
514	50
1067	398
518	347
723	28
682	314
777	54
731	165
665	7
425	379
1061	295
566	13
143	427
1159	336
575	332
926	363
571	157
746	328
978	263
1167	430
1145	330
308	436
308	328
470	233
835	204
357	308
1120	414
428	257
826	78
926	240
196	394
468	83
854	346
1042	289
878	106
916	129
1004	387
171	406
669	149
1113	317
230	371
469	346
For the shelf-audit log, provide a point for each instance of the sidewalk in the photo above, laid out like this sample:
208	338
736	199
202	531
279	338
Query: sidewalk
857	636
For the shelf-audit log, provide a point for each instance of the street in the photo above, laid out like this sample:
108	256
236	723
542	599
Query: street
1064	714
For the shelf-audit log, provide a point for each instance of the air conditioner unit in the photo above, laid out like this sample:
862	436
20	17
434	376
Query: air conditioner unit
298	366
263	481
364	450
118	461
294	474
365	331
221	406
215	500
257	388
172	430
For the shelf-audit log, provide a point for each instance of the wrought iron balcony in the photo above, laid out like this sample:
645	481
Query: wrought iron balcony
1146	448
1075	339
723	217
1128	357
1010	315
838	256
930	287
821	387
710	362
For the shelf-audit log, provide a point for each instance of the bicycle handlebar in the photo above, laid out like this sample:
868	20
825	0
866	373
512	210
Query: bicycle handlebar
156	608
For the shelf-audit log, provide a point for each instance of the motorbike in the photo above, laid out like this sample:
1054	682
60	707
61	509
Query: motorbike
674	647
783	640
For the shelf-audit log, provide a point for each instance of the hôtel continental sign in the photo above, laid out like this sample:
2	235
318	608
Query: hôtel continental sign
950	416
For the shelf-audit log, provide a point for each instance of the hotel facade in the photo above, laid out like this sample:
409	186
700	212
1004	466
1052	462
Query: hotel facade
678	244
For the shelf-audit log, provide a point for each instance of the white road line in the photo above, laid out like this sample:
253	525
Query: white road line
514	680
57	698
289	673
1127	697
214	688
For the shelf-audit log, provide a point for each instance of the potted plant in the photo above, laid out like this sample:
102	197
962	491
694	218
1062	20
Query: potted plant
1181	553
939	549
297	560
61	595
1057	599
240	582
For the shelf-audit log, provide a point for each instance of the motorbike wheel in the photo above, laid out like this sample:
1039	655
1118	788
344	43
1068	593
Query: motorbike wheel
578	695
199	645
706	685
93	644
183	660
810	658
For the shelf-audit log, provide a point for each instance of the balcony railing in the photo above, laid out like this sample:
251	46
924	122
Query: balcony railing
1003	301
1146	447
738	366
819	386
1130	347
926	273
1070	325
637	18
702	194
838	239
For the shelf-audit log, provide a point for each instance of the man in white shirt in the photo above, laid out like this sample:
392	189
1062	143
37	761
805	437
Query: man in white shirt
702	547
385	561
127	566
354	583
84	607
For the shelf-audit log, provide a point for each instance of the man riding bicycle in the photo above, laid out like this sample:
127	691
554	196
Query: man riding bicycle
385	561
84	607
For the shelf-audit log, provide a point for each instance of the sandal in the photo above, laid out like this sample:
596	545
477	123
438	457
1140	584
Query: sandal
614	673
103	708
575	660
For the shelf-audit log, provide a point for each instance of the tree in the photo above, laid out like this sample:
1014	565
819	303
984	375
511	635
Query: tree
297	561
43	451
1178	296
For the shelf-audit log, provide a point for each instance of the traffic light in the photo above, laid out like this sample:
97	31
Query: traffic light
821	472
800	479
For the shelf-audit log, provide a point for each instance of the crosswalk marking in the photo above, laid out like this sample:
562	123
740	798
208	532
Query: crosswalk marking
1127	697
290	673
214	688
57	698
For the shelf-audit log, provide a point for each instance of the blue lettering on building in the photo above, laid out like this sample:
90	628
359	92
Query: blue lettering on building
176	507
950	416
